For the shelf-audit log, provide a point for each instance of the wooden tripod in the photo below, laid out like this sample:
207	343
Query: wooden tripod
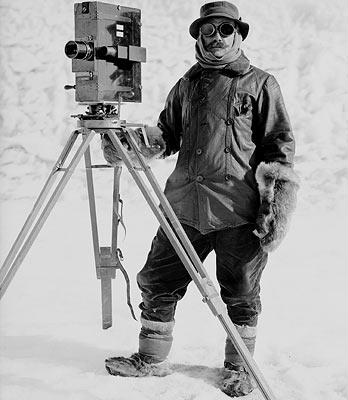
106	258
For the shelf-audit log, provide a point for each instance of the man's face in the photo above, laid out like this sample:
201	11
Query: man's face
217	44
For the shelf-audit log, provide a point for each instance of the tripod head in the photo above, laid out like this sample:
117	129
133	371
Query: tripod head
100	111
103	118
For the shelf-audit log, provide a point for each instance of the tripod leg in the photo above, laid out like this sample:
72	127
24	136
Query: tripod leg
37	206
115	209
116	220
188	256
45	213
92	207
104	268
106	291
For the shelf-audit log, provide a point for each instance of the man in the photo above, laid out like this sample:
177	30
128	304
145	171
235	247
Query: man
233	189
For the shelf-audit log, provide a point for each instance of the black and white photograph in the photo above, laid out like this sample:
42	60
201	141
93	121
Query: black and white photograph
173	204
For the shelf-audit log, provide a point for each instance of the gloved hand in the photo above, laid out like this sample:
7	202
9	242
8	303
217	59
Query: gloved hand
265	220
278	185
155	150
110	153
156	142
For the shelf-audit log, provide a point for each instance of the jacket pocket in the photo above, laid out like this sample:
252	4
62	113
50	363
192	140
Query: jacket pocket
242	124
243	107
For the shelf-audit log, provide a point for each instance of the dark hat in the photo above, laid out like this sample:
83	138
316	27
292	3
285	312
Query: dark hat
219	9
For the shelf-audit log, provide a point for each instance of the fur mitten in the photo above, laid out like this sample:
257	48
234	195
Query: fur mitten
155	149
278	185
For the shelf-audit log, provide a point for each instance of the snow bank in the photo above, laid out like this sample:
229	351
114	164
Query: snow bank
300	42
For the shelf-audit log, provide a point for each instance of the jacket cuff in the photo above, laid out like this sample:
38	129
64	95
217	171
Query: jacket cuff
166	140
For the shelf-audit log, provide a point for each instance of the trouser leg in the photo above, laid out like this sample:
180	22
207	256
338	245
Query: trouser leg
240	262
163	282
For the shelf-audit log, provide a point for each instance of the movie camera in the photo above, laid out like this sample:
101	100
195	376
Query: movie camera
106	53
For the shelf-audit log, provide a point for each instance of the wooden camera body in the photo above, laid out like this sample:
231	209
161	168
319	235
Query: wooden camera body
106	53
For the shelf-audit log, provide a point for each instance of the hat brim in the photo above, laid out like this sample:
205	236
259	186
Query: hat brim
194	27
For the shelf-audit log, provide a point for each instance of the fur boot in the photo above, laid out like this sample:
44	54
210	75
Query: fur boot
155	341
136	365
236	381
278	185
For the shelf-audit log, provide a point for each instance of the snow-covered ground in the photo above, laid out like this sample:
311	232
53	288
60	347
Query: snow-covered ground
52	344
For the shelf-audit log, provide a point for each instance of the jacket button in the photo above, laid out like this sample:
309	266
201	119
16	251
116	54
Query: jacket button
199	151
199	178
227	150
228	177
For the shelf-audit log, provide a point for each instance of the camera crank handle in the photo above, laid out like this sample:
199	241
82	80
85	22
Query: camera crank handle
69	87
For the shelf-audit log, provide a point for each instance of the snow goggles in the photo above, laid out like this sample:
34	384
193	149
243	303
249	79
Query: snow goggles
225	29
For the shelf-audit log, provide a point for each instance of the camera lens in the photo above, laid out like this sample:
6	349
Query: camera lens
79	50
106	53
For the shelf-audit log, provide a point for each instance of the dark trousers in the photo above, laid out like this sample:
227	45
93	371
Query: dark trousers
239	263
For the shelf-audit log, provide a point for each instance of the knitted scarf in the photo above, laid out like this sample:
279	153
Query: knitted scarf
206	59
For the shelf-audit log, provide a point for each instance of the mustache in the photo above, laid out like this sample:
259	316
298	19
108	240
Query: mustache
216	44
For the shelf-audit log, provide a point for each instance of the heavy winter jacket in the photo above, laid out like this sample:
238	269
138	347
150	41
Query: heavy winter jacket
223	123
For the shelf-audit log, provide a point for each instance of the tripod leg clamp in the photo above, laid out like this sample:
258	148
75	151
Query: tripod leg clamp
211	297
